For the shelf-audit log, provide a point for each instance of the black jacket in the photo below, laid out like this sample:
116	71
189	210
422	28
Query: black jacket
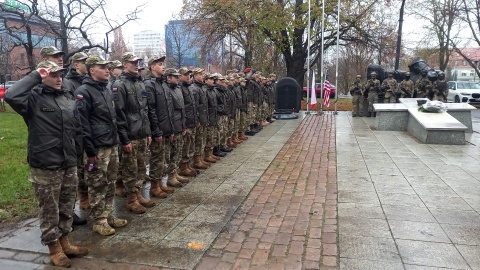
176	95
160	99
212	105
243	92
222	99
97	112
72	81
200	95
191	110
52	122
131	106
232	102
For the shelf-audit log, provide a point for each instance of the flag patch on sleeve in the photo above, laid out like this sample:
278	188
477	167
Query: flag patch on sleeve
114	89
79	96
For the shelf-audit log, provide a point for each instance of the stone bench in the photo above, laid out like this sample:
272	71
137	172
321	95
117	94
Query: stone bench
435	128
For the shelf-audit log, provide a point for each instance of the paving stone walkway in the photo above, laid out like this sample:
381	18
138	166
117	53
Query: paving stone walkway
289	219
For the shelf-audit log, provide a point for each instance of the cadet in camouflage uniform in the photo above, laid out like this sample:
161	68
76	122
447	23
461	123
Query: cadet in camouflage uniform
232	112
100	140
54	55
240	105
440	88
161	125
249	88
372	87
133	113
115	68
273	96
244	124
52	123
201	101
70	83
389	86
221	149
191	123
174	144
424	85
407	87
357	97
212	127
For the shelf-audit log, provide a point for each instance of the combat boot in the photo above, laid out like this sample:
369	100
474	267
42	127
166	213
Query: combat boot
225	148
181	179
120	189
375	114
172	181
184	171
155	190
230	144
103	228
133	204
145	202
78	221
70	249
369	114
197	172
208	156
236	140
198	164
242	137
117	222
57	256
165	188
83	198
218	153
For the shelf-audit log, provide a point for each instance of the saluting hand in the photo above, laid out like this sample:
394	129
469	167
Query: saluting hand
44	72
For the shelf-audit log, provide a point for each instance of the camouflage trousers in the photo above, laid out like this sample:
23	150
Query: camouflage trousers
55	191
258	113
101	183
250	114
238	122
389	97
272	108
243	122
372	98
173	150
157	160
231	127
200	138
188	148
82	183
266	110
210	137
133	165
357	102
221	134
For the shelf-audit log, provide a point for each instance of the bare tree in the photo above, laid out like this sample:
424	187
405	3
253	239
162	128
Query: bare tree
69	21
118	45
178	43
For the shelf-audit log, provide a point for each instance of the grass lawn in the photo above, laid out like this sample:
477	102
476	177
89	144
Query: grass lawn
343	104
17	200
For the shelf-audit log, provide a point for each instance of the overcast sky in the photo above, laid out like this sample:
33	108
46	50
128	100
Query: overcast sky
155	15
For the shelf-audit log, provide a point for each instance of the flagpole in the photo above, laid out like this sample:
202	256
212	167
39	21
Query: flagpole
321	54
336	60
308	59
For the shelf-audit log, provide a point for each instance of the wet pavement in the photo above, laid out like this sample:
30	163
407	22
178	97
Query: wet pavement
272	204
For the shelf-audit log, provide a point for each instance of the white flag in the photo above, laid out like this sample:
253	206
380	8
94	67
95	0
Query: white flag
313	99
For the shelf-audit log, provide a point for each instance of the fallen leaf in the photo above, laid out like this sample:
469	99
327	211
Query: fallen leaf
196	245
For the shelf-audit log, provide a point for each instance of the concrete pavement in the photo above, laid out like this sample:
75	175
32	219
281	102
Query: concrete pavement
272	204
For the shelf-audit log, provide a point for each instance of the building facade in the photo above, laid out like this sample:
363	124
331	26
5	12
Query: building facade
148	43
180	45
460	69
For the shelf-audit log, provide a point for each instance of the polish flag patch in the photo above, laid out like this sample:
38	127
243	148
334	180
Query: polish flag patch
79	96
114	89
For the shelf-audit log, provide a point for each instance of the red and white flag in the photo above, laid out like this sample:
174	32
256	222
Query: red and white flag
313	96
327	90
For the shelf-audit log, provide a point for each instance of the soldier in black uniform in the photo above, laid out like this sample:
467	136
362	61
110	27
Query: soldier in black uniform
212	128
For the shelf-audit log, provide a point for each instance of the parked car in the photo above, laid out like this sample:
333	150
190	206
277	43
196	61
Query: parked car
318	89
463	92
9	83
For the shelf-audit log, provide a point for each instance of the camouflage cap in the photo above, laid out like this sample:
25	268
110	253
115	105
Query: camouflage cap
79	56
373	73
50	50
407	74
242	75
50	65
272	75
230	71
242	80
129	57
207	76
359	76
155	58
197	70
184	70
235	76
115	64
171	72
96	60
